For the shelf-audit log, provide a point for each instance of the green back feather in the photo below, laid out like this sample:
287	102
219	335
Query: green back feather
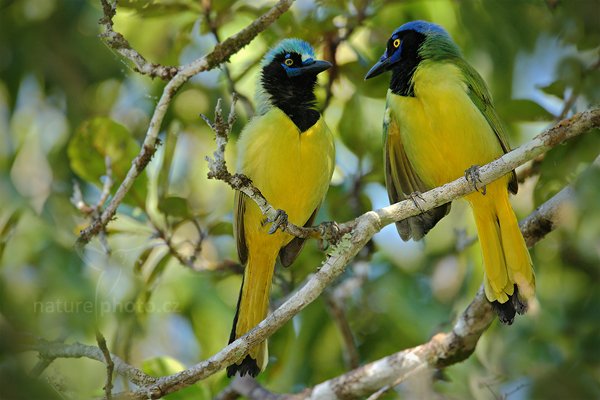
480	96
440	47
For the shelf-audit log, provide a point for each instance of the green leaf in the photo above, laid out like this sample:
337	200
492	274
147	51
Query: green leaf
97	139
160	366
174	206
220	228
524	110
355	129
572	71
556	88
355	72
563	163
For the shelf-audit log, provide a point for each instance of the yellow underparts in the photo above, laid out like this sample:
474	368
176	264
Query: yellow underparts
444	134
292	170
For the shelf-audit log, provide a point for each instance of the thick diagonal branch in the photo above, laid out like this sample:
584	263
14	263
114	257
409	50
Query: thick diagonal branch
364	227
441	351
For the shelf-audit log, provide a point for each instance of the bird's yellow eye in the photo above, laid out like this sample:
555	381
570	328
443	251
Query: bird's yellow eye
289	62
397	43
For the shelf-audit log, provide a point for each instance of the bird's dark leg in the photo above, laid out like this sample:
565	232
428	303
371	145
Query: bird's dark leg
280	221
472	176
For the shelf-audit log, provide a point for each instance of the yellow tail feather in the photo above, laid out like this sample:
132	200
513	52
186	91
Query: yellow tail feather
518	260
505	256
252	308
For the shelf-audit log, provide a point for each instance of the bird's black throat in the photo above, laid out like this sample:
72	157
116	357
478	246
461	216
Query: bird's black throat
403	71
294	96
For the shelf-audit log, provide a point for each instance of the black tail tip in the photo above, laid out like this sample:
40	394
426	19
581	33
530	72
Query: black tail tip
247	367
506	311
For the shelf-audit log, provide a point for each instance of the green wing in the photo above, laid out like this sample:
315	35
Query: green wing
480	96
401	180
239	207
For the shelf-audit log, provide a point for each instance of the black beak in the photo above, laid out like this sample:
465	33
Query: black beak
312	68
382	65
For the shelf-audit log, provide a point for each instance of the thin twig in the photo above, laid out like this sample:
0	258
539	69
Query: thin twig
58	349
218	170
40	366
336	309
333	40
110	366
220	54
94	212
118	43
576	91
212	26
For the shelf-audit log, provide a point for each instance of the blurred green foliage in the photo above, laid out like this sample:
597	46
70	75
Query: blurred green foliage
67	101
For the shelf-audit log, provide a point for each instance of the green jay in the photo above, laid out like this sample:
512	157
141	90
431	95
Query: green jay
439	125
288	152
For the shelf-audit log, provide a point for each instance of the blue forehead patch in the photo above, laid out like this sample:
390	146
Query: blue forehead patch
289	46
423	27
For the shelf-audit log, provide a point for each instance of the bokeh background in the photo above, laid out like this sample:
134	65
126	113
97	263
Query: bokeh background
67	100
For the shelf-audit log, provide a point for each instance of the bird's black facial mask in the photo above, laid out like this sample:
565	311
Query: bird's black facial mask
390	57
402	58
290	83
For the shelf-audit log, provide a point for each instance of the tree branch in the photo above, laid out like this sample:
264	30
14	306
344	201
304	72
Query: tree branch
442	350
336	310
212	26
94	212
218	170
118	43
110	365
58	349
334	38
220	54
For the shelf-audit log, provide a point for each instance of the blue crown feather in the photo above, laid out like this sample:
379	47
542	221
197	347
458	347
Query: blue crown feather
423	27
288	45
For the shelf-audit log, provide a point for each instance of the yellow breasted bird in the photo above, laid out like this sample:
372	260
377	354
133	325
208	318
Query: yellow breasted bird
439	122
288	152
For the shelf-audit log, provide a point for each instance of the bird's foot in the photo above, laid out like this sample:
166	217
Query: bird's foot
330	232
279	222
472	176
519	304
415	197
